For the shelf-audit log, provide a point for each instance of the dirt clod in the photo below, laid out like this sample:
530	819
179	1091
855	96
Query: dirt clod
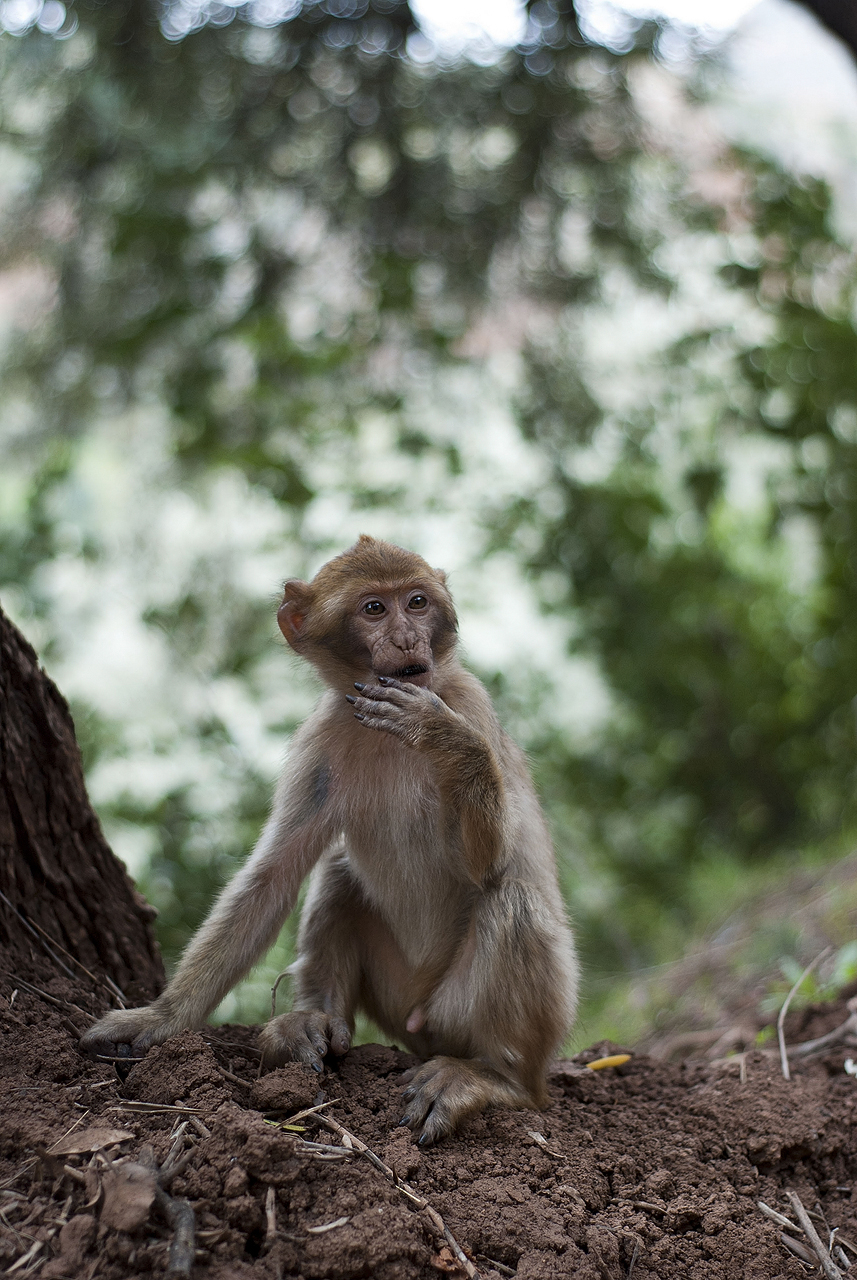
289	1089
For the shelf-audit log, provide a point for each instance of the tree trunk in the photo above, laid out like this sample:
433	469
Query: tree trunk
67	905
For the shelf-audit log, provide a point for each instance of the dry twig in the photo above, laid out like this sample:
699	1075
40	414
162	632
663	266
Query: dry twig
270	1218
407	1191
180	1216
799	1249
780	1218
154	1108
498	1266
633	1259
828	1266
784	1057
836	1036
311	1111
233	1079
277	981
820	1253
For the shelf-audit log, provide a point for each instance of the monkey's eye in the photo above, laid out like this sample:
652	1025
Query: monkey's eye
374	606
417	602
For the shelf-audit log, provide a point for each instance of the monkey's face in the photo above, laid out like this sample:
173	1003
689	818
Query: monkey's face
397	630
376	610
385	630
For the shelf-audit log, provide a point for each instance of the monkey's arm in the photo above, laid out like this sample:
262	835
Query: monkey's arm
468	772
244	921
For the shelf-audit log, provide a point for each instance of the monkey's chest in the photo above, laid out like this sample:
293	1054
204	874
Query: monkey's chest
396	839
398	822
388	795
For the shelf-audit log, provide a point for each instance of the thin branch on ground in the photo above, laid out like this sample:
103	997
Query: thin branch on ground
270	1218
233	1079
784	1057
404	1189
178	1213
828	1266
498	1266
780	1218
816	1255
799	1249
822	1043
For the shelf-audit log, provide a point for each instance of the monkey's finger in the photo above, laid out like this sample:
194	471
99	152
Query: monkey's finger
383	716
365	707
419	1103
398	694
310	1054
121	1033
339	1036
439	1122
141	1045
104	1046
385	725
299	1036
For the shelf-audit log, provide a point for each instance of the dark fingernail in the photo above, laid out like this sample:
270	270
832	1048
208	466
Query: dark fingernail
357	716
404	1122
349	697
408	1094
359	686
316	1066
384	680
424	1140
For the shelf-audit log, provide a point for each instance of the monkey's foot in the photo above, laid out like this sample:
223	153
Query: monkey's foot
128	1033
445	1090
303	1037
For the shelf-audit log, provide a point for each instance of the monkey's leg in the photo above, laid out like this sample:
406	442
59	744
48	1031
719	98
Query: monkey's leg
346	958
498	1014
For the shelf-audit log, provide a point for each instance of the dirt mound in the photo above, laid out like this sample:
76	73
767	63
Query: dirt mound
652	1169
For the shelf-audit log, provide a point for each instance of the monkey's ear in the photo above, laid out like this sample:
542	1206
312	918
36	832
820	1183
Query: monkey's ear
292	613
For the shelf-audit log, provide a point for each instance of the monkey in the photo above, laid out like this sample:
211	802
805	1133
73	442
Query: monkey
433	903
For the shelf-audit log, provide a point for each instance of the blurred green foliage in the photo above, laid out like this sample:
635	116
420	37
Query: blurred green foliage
735	680
262	228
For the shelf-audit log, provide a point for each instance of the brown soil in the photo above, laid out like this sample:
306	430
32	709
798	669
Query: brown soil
652	1169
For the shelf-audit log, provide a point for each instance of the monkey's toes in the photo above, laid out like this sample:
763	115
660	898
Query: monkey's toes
305	1037
125	1033
440	1094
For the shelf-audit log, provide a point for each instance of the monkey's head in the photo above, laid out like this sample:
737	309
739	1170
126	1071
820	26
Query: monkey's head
376	610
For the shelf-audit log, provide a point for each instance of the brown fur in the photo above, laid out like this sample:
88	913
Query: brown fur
433	903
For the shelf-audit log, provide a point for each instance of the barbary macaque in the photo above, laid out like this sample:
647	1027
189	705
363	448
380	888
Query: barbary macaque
433	904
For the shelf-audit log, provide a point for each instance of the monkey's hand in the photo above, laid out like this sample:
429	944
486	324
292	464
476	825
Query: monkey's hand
128	1033
416	715
303	1036
443	1091
467	770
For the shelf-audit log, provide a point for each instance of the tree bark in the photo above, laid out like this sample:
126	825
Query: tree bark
67	905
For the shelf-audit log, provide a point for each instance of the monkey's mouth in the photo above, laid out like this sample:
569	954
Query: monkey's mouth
408	673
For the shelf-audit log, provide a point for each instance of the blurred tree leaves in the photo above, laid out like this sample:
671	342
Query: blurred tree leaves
260	223
733	666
